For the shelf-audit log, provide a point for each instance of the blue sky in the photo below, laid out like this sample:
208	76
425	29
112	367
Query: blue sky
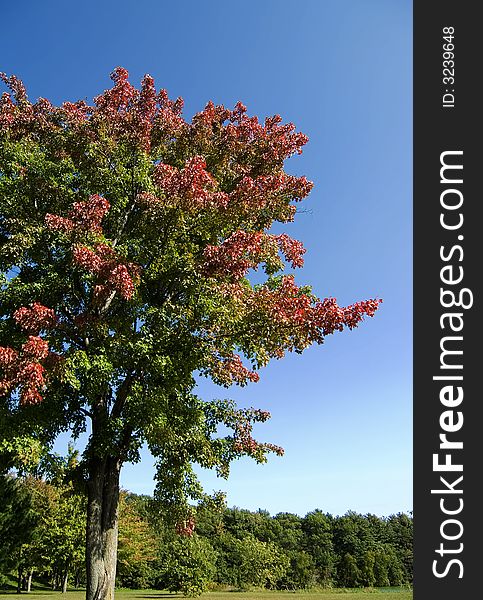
341	70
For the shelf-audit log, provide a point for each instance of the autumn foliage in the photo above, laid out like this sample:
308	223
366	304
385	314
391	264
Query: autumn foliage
128	237
245	195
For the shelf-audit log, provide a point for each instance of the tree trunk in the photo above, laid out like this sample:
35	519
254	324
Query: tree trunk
65	578
102	527
19	580
29	580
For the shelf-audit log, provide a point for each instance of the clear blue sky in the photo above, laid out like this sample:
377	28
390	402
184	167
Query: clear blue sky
341	71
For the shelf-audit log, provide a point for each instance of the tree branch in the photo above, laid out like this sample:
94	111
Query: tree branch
130	209
122	395
100	311
125	440
123	224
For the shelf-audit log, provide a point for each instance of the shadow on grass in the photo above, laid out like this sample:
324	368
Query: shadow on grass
33	592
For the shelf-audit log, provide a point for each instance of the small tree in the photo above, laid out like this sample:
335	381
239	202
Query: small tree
381	568
64	538
188	565
19	521
126	238
137	545
367	568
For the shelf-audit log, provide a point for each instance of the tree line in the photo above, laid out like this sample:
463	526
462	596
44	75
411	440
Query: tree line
42	533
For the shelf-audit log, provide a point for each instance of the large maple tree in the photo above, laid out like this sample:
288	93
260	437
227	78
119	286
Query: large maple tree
127	239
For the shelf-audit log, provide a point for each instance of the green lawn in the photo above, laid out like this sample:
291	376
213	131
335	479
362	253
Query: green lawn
386	594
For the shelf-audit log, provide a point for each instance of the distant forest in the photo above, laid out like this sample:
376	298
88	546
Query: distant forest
42	535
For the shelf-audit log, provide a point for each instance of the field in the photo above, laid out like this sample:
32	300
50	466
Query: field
338	594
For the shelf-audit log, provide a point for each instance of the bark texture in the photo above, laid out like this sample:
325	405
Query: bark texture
102	528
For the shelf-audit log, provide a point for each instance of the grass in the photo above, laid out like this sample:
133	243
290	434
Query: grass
336	594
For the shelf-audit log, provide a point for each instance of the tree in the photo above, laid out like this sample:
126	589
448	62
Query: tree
381	569
63	540
42	528
318	541
18	522
301	572
137	544
353	534
259	564
400	536
388	568
286	531
127	237
349	573
188	564
367	568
